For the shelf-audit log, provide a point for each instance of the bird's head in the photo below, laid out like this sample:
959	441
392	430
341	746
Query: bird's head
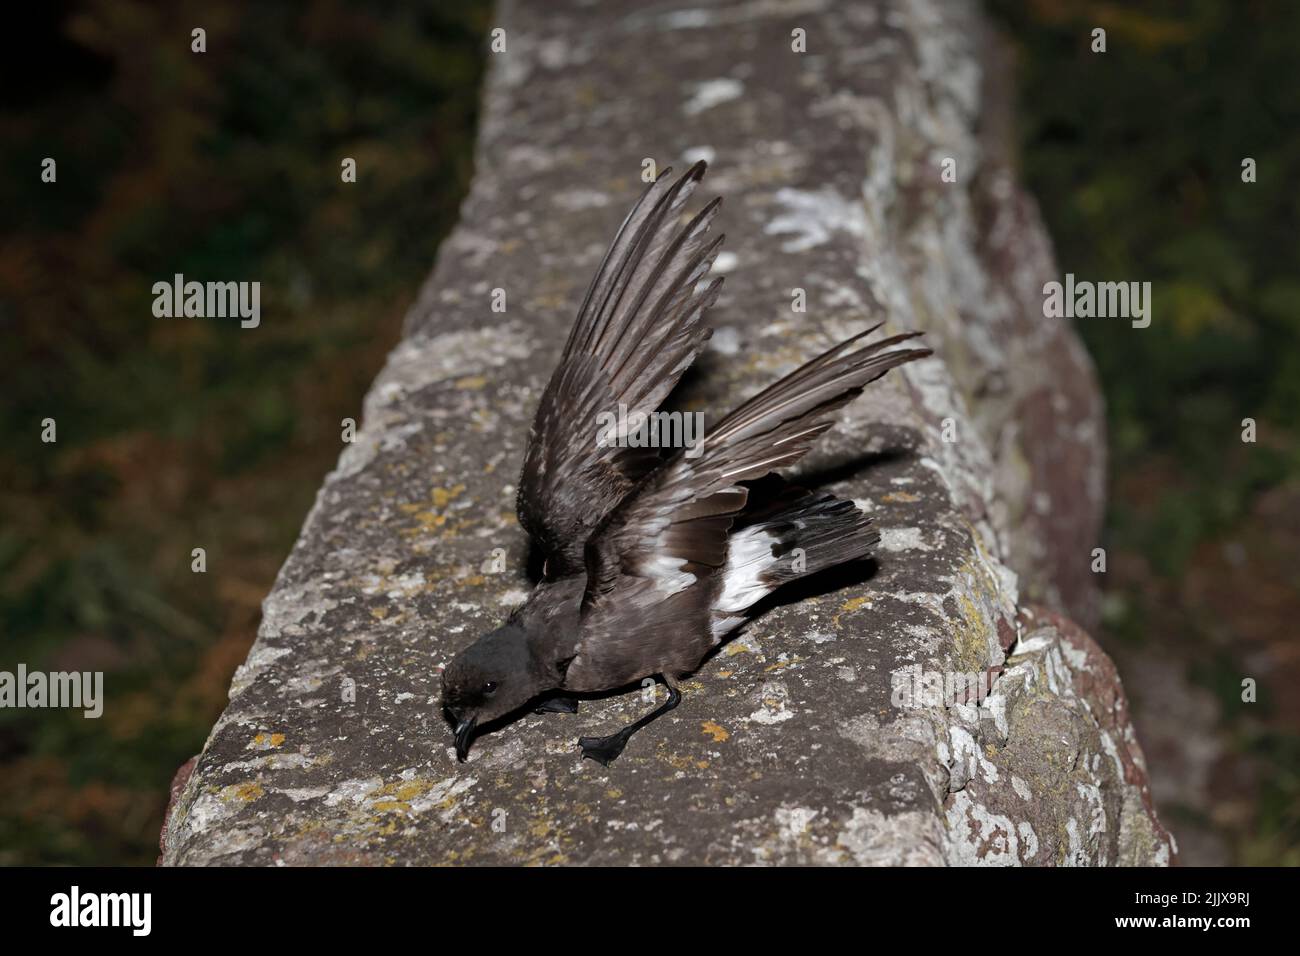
492	677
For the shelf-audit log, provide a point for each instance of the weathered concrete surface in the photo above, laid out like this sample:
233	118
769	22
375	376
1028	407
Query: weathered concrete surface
794	744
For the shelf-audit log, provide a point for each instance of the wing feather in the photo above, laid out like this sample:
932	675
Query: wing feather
640	326
677	519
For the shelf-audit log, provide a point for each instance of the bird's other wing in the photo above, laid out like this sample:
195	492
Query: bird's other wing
639	328
673	527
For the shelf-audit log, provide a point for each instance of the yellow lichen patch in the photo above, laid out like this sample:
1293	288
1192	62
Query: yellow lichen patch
725	673
781	665
448	803
442	496
471	381
243	792
264	741
379	613
613	794
969	638
407	789
307	828
398	795
848	607
475	580
901	496
973	635
683	762
429	520
716	731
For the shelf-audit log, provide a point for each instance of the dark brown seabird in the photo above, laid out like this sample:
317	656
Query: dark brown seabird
650	561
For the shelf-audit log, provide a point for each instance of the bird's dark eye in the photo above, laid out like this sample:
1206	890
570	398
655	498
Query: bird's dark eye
490	687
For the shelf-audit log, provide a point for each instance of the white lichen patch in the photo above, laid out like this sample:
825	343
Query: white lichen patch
811	218
352	791
792	822
774	704
725	341
576	200
903	539
980	837
448	791
725	262
712	93
1028	841
1021	788
968	759
871	838
302	794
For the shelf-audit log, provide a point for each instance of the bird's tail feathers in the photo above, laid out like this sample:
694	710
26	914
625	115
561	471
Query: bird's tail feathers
814	532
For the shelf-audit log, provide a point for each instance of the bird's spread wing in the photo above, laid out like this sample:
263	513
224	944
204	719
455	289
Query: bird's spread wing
638	329
674	526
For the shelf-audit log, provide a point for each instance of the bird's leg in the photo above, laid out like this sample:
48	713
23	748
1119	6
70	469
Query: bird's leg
605	749
557	705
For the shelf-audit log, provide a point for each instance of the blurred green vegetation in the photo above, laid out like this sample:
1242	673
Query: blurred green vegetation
1136	156
185	433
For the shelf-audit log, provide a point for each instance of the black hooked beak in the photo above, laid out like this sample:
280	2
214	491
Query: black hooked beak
464	732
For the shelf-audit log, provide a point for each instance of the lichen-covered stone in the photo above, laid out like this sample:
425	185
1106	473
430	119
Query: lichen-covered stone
982	468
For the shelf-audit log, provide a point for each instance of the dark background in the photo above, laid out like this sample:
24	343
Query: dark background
176	435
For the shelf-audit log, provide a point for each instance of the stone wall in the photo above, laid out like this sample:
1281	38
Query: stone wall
983	468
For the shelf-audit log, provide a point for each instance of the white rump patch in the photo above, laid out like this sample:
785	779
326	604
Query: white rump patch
749	554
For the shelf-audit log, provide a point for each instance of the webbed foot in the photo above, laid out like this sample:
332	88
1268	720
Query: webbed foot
604	749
